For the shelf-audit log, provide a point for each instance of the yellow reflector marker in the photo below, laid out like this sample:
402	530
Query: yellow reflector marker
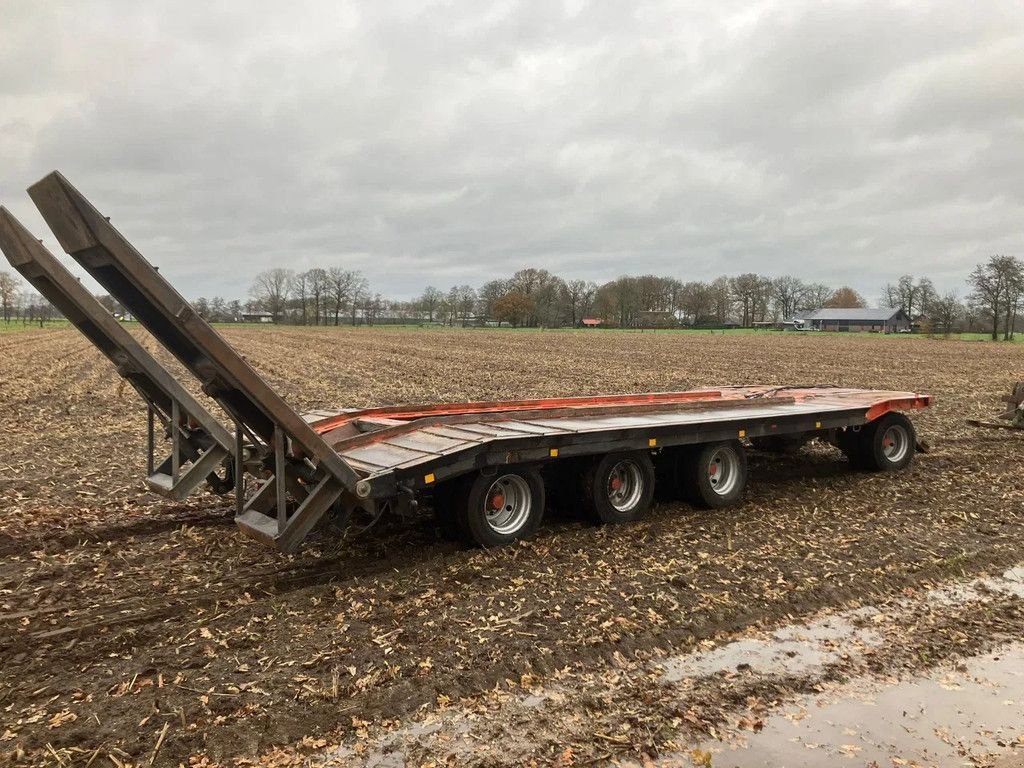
553	453
428	479
652	442
817	425
743	433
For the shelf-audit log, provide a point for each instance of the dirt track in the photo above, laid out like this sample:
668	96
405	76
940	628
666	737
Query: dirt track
127	622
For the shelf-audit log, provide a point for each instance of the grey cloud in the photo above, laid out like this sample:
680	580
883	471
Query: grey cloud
450	142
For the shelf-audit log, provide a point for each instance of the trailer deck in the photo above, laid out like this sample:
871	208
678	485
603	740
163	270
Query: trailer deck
425	444
480	463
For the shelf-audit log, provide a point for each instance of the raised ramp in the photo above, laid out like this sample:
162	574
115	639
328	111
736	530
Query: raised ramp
199	444
301	463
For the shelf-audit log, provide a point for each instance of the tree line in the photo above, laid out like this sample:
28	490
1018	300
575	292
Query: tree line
538	298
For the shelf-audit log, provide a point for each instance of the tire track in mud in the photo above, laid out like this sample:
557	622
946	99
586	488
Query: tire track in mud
270	579
55	542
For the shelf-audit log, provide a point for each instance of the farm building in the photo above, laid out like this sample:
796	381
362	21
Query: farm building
257	317
654	319
877	320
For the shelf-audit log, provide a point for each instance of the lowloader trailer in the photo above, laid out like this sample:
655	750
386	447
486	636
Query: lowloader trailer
486	468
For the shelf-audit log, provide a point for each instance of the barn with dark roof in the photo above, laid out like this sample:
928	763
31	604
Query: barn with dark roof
877	320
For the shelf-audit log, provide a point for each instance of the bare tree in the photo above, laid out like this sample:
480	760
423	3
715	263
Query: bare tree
996	286
926	295
300	290
721	298
488	295
372	306
360	290
271	289
219	310
624	293
549	302
341	291
946	313
317	281
695	302
751	293
579	295
1014	289
788	292
430	301
913	297
37	309
545	291
460	302
815	296
8	295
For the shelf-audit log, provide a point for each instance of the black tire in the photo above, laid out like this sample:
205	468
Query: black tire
850	442
482	502
887	444
618	487
445	514
715	475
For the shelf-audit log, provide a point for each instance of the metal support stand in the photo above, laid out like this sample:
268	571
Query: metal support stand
239	471
279	480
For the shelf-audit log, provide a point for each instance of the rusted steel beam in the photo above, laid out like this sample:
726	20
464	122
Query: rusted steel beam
179	410
93	242
340	440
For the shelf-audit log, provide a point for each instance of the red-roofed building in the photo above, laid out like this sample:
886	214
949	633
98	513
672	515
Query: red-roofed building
591	322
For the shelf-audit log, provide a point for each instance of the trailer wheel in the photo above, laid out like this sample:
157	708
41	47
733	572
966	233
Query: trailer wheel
500	508
618	487
716	474
887	444
852	443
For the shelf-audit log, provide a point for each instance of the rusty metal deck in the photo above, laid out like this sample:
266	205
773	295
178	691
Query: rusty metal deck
422	443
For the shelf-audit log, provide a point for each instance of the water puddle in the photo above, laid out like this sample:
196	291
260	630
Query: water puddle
794	650
951	717
1010	582
944	719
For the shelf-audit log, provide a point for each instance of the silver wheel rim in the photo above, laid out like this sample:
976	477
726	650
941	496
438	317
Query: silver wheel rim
625	485
723	471
895	443
507	504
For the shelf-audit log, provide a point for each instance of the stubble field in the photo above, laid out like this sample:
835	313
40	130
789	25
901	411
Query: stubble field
134	630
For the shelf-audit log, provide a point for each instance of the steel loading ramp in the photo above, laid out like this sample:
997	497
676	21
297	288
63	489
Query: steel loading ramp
298	460
196	436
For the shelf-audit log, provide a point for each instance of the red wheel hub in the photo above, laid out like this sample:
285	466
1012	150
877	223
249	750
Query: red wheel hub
497	501
616	483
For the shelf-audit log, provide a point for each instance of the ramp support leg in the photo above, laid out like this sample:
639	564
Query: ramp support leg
279	476
175	441
239	471
150	439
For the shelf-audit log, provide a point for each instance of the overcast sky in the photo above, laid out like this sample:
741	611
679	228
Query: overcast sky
452	142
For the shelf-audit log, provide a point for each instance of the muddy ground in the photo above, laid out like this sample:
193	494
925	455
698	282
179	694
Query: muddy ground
135	630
